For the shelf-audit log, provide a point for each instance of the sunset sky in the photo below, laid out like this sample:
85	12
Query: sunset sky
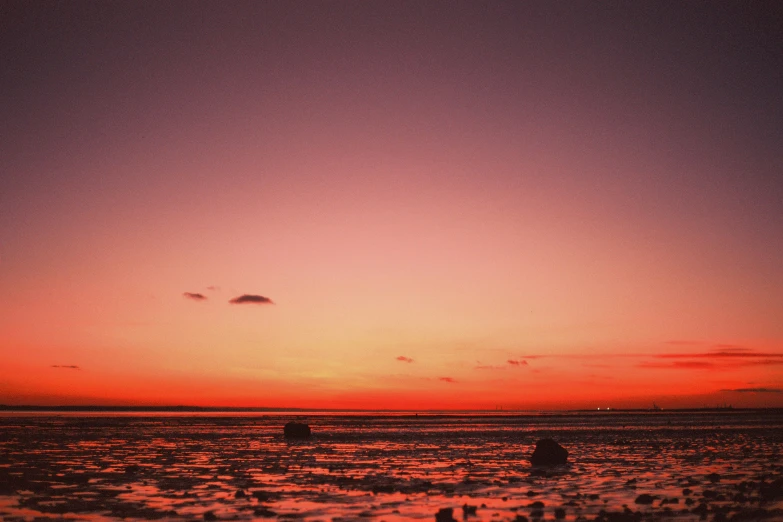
387	204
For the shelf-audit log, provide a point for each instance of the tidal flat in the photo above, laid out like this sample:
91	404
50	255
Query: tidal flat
623	466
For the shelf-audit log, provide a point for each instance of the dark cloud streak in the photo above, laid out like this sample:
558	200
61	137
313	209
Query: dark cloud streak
754	390
679	365
194	296
251	299
725	352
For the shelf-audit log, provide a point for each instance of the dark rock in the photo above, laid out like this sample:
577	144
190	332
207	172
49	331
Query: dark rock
209	515
548	453
687	491
468	510
713	477
240	494
445	515
296	430
560	513
262	496
521	518
264	512
536	505
644	499
772	491
133	468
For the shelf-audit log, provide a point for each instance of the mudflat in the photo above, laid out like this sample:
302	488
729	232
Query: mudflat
680	466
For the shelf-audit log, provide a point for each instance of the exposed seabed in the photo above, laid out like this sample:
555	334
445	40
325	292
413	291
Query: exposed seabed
620	468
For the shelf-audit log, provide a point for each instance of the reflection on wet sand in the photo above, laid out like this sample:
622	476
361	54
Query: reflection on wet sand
620	467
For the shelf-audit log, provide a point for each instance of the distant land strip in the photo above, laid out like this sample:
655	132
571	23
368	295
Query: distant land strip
228	409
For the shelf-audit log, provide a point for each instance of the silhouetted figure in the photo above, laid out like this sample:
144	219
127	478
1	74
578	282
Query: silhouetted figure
548	453
296	430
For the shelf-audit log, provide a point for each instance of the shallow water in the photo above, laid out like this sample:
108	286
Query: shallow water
696	466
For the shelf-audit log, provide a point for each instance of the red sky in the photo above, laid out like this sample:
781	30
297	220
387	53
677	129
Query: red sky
449	205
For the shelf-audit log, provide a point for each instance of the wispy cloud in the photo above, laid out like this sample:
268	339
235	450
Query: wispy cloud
447	379
763	362
736	351
515	362
731	348
251	299
679	365
719	347
194	296
722	357
404	359
66	366
754	390
489	367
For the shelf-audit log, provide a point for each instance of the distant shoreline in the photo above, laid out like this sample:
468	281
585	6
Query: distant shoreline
215	409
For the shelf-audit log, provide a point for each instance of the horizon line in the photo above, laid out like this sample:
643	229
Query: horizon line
276	409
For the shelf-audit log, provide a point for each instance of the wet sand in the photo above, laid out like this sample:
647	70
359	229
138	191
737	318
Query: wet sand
621	467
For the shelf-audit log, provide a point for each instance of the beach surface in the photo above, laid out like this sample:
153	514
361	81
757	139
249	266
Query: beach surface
720	465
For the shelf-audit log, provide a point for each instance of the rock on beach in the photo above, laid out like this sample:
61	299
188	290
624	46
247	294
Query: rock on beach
445	515
296	430
548	453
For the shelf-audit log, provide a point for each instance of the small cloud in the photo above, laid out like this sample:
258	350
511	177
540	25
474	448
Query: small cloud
447	379
515	362
194	296
213	288
404	359
489	367
755	390
66	366
251	299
